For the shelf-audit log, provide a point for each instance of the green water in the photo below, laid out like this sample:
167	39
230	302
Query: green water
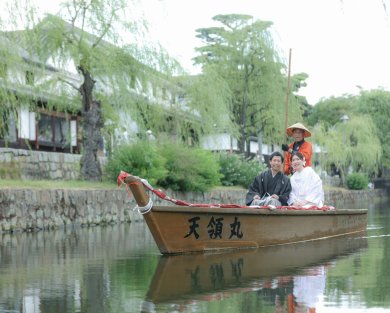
119	269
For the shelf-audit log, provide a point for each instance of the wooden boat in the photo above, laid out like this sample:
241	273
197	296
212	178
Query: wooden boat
207	276
201	228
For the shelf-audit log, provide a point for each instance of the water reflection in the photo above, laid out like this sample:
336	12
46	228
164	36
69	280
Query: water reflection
288	277
76	270
119	269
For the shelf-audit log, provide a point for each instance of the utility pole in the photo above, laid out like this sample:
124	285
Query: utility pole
287	95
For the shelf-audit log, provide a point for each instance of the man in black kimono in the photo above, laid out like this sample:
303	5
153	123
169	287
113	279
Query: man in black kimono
271	187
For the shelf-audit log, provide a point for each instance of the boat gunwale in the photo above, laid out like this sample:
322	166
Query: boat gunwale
254	211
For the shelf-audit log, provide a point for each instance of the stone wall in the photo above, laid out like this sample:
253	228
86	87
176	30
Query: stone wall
34	209
37	209
30	164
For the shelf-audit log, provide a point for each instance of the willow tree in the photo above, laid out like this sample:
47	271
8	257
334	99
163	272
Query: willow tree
329	111
86	37
243	54
349	145
376	103
211	90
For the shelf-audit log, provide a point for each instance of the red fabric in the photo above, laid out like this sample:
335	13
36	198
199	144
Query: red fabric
306	149
122	176
291	303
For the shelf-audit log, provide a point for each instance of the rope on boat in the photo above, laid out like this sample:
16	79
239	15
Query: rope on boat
144	209
159	193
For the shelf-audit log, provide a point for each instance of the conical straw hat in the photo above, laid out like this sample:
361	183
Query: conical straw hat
306	132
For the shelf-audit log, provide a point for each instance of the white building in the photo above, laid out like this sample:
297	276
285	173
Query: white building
44	127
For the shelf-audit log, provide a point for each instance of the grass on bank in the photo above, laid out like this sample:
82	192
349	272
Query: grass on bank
79	184
71	184
54	184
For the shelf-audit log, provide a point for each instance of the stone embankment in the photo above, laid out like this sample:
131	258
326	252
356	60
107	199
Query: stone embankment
36	209
39	209
30	164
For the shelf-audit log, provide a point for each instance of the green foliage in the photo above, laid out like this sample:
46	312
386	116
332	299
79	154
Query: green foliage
212	89
236	170
94	42
241	52
376	103
141	159
4	120
168	165
357	181
353	144
189	169
329	111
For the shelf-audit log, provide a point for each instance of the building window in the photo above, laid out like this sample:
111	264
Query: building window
9	130
61	131
45	129
54	130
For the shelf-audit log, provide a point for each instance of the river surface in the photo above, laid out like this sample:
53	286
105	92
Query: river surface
118	269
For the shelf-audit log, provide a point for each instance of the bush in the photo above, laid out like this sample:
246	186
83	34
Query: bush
238	171
189	169
357	181
141	159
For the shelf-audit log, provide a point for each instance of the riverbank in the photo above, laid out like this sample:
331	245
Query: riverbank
32	209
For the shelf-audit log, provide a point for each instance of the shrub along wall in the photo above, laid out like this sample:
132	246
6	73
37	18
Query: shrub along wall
38	209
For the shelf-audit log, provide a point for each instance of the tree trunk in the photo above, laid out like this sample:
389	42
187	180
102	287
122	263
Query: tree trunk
343	173
241	143
245	144
248	147
260	145
92	124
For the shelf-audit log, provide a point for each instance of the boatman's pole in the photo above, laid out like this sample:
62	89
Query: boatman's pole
287	94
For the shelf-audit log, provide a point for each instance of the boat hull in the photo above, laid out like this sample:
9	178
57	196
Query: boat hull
179	229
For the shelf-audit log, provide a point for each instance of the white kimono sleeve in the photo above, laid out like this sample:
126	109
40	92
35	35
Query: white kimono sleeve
306	186
314	192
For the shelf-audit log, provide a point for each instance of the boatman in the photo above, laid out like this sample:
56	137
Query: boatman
299	132
271	187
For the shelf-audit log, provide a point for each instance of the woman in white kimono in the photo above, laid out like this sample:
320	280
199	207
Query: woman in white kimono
305	183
